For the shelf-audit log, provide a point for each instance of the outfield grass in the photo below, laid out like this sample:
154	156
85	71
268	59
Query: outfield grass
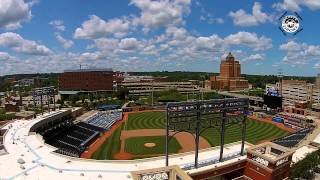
110	147
135	145
256	130
145	120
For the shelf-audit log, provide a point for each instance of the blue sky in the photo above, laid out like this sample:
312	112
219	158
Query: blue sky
150	35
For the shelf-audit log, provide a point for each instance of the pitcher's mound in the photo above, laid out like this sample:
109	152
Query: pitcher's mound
149	145
123	156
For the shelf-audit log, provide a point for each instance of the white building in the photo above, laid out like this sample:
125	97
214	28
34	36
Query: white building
297	91
25	82
145	85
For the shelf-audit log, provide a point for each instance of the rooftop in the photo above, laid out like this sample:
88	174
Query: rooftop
230	57
270	151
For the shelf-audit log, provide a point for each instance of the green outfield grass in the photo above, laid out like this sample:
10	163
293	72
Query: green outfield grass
110	147
135	145
256	131
146	120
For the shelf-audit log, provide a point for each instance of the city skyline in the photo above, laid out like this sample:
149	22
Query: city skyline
38	36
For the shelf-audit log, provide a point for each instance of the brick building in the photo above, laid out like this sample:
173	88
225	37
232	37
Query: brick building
86	80
268	161
230	76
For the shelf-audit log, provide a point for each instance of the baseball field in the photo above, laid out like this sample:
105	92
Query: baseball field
142	135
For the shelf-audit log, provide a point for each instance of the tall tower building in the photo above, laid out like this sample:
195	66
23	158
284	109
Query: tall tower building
230	76
229	68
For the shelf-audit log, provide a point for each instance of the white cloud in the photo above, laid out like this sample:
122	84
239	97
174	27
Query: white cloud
13	13
176	33
250	40
5	56
106	44
295	5
58	25
177	45
151	50
129	44
66	43
241	18
115	45
316	66
210	19
254	57
18	44
210	43
96	27
162	13
299	53
291	46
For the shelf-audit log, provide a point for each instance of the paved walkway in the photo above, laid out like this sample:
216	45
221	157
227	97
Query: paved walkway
84	117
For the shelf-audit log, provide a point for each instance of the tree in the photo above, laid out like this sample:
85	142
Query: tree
122	93
304	169
74	98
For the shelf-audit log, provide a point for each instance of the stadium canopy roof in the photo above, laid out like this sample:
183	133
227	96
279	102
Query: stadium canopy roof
105	107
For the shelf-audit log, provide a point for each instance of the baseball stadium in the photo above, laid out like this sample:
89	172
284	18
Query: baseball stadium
124	143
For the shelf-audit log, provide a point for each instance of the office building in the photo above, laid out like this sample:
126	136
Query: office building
86	80
229	78
145	85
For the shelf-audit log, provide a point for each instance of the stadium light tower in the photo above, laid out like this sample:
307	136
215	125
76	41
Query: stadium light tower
197	116
41	92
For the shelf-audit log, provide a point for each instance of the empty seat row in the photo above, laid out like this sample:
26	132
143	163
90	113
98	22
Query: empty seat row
71	139
293	139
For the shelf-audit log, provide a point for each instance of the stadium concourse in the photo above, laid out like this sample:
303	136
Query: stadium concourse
29	157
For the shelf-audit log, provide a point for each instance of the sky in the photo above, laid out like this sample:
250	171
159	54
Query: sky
43	36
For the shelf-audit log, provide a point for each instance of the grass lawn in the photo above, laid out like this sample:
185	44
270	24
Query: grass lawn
256	130
135	145
145	120
110	147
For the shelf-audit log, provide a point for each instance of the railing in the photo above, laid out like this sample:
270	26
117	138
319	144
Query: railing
211	161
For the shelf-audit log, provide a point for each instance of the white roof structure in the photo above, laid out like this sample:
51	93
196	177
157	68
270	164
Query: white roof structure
42	163
302	152
317	139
